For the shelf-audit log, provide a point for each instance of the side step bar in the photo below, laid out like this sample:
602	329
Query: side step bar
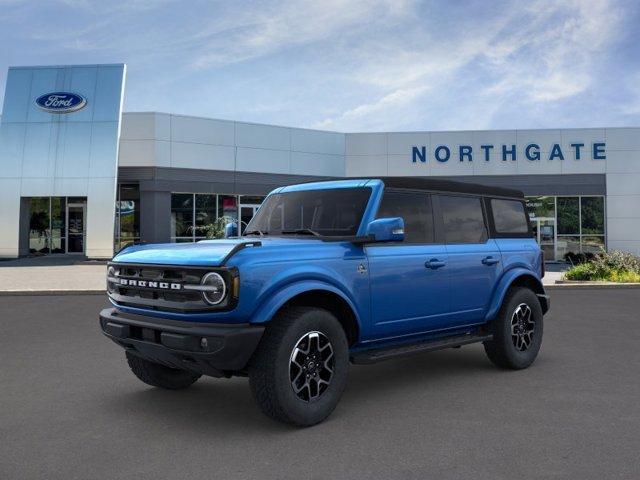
380	354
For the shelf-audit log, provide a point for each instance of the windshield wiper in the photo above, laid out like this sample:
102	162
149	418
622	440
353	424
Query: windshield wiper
302	231
256	232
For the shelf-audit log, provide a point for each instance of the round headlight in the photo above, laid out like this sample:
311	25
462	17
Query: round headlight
111	272
216	288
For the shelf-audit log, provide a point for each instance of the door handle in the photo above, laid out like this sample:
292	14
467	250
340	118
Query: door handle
434	264
490	260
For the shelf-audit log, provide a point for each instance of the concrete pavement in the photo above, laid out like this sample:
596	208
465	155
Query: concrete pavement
47	274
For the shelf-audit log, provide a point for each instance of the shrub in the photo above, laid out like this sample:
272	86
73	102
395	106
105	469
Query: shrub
583	271
614	266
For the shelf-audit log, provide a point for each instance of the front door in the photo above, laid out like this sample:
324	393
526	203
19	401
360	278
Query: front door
409	280
76	220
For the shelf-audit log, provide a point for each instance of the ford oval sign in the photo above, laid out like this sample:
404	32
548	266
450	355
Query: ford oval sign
61	102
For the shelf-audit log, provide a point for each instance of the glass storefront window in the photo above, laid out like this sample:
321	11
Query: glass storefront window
541	207
58	224
568	216
49	228
127	228
567	244
228	206
191	213
182	215
592	244
205	210
579	221
39	223
592	215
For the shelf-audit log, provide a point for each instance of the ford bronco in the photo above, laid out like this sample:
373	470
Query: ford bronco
328	273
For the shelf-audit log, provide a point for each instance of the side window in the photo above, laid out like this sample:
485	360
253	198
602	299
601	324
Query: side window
509	216
415	210
463	219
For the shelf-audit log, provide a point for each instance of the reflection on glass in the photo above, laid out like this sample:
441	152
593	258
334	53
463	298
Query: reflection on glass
182	215
128	211
541	207
592	244
58	244
568	216
228	206
205	210
58	214
39	225
567	244
592	210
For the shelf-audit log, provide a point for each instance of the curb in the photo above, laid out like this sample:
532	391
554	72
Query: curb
20	293
591	285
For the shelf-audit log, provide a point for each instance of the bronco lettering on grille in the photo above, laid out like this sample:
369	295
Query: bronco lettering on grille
145	283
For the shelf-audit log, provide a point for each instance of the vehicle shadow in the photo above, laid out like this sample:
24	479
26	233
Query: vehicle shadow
221	406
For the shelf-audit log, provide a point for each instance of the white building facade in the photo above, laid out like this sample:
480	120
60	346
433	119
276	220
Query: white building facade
89	179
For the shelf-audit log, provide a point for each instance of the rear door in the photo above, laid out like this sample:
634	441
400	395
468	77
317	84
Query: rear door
474	259
409	280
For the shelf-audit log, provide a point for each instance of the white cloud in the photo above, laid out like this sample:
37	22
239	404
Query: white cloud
254	33
542	53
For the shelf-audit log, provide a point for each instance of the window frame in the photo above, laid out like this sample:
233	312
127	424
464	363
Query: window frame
493	232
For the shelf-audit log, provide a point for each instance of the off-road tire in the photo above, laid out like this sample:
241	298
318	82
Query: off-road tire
502	350
269	367
160	376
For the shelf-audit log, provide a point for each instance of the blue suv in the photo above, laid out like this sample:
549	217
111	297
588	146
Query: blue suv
327	273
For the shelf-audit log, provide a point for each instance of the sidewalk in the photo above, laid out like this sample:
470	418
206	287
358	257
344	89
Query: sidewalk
60	275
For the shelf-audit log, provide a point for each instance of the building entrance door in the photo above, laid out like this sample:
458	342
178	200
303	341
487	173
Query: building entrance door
546	235
76	230
247	211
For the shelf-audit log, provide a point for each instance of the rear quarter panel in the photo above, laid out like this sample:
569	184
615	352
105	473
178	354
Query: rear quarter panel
520	256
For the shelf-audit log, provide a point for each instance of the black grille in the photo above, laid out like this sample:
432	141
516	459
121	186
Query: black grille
156	298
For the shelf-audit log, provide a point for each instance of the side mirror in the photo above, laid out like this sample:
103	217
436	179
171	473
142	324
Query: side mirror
386	229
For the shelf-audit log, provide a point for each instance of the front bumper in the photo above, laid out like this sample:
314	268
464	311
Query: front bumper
209	349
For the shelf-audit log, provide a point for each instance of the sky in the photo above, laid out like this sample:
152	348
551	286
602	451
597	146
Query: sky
351	65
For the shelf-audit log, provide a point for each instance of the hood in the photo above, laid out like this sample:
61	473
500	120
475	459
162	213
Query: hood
208	253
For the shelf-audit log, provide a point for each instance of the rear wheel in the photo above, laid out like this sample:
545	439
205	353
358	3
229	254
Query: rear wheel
160	376
517	330
299	370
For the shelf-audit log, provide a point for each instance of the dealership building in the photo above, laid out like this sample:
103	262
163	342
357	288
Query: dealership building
79	176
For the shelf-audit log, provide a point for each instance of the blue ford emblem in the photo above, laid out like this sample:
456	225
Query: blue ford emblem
61	102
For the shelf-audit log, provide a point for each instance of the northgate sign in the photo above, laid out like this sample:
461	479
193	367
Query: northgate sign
532	152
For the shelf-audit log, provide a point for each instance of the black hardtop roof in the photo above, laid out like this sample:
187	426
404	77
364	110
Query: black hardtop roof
440	185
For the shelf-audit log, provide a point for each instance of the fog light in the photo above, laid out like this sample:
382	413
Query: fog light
204	343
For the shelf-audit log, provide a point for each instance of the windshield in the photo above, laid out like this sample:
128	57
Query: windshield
327	212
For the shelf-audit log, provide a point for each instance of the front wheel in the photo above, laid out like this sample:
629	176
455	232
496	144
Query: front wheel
517	330
299	370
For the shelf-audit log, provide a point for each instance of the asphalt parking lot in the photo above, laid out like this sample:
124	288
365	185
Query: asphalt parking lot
70	408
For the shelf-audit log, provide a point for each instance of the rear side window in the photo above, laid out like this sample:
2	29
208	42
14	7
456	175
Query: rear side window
463	219
415	210
509	216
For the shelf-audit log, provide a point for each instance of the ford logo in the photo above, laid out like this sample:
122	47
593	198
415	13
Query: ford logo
61	102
